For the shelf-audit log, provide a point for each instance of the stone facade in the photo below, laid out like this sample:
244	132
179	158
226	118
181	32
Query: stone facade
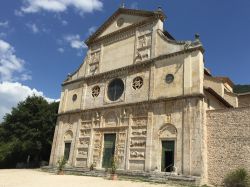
228	142
146	89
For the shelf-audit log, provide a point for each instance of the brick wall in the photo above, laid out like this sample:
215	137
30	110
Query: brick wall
228	142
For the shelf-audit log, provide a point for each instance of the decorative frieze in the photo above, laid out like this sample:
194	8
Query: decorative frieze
86	125
84	133
138	143
84	142
143	47
139	131
120	146
82	153
95	57
144	41
137	154
98	138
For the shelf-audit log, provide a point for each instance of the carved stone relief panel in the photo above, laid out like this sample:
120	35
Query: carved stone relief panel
139	131
94	62
138	143
120	146
82	153
97	147
143	47
135	154
86	125
84	142
84	133
111	119
95	57
93	68
144	41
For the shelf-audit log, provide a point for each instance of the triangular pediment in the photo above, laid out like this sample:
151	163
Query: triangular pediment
121	19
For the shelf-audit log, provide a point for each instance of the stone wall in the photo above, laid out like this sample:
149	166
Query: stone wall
244	99
228	142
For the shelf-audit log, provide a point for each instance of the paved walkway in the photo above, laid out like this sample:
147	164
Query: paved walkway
36	178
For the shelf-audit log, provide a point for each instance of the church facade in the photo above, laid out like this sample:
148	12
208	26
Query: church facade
139	97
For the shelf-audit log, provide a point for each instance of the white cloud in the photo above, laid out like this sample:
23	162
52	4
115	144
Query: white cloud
64	22
4	24
33	27
10	64
12	93
83	6
18	13
91	30
75	41
61	50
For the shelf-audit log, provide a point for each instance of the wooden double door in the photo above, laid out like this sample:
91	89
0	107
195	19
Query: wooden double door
167	161
108	150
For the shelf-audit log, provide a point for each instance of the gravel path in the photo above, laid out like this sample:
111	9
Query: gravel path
36	178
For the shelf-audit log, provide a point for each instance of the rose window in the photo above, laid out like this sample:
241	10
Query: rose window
95	91
137	83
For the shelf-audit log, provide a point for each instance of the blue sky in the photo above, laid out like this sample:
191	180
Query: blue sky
41	40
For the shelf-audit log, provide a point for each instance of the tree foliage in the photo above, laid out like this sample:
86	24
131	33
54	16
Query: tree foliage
241	88
27	132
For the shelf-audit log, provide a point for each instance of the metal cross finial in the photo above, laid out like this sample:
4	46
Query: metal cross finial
123	4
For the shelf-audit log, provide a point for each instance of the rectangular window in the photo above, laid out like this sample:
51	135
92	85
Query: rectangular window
67	151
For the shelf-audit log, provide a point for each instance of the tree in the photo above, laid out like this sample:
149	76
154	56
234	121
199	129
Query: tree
27	132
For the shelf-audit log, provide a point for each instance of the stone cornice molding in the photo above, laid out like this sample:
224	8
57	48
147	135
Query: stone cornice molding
201	96
161	34
133	67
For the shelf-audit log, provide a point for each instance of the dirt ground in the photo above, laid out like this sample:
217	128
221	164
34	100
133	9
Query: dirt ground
36	178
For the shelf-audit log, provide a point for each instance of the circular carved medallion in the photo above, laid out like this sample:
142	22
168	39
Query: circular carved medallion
137	83
95	91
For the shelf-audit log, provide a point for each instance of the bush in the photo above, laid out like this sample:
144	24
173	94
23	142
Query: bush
61	164
237	178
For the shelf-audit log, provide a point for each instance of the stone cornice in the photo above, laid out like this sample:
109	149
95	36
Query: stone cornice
134	104
129	68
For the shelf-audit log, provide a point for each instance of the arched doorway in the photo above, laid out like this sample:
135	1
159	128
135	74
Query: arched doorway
68	136
167	135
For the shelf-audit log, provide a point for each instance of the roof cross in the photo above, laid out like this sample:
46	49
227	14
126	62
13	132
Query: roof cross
122	3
